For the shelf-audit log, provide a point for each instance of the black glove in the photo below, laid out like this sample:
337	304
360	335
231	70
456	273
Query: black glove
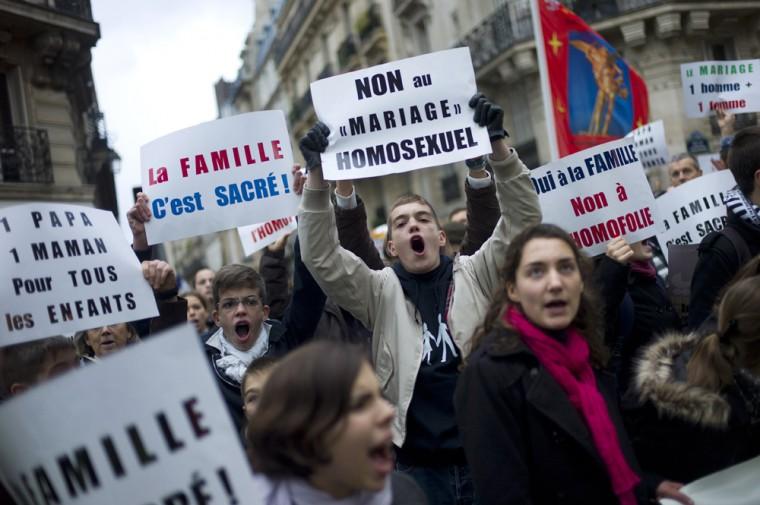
313	144
490	115
475	164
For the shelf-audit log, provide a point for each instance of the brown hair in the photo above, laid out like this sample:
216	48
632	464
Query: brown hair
736	343
238	276
586	320
403	200
22	363
307	396
200	297
744	158
257	366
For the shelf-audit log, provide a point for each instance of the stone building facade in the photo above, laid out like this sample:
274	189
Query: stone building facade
53	142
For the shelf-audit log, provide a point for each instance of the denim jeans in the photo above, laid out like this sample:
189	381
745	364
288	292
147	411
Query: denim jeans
443	485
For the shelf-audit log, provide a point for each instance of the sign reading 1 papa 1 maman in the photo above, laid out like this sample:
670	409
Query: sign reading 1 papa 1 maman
218	175
66	268
731	86
597	195
152	429
400	116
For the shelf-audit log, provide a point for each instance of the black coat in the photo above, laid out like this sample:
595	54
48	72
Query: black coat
684	432
652	313
718	262
525	442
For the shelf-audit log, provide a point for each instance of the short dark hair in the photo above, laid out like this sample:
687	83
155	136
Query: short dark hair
403	200
257	366
307	396
456	211
744	158
200	297
22	363
238	276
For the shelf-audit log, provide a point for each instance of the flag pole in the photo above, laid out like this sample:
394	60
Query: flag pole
543	77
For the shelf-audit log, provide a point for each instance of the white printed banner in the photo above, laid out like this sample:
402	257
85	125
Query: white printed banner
218	175
257	236
650	143
694	209
736	485
66	268
400	116
597	195
152	429
731	86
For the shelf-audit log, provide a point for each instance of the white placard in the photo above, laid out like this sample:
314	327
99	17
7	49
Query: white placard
151	429
257	236
597	195
400	116
736	485
650	143
731	86
694	209
66	268
706	162
218	175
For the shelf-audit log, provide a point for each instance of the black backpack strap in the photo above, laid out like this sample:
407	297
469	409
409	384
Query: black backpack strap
740	245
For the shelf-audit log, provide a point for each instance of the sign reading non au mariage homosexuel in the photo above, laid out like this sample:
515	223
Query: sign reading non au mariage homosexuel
400	116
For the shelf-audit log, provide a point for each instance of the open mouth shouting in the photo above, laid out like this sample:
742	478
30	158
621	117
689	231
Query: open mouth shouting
381	456
556	307
243	331
418	245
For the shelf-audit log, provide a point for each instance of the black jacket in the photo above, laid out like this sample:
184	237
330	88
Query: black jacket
684	432
524	441
651	316
718	263
297	327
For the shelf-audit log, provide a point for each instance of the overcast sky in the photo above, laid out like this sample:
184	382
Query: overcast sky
155	66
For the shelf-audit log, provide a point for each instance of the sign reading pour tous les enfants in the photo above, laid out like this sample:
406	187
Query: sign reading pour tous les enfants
400	116
66	268
218	175
597	195
152	429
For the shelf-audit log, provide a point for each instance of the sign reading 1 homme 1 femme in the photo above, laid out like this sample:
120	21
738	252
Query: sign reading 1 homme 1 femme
151	430
597	195
66	268
732	86
218	175
690	212
400	116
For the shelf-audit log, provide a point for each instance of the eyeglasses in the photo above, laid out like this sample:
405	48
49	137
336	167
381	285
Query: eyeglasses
230	304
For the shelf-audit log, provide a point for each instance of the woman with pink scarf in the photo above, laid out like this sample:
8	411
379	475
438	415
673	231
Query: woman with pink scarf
537	412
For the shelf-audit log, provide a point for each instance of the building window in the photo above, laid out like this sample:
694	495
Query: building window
450	185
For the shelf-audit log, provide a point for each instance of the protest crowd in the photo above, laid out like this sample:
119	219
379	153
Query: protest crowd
491	359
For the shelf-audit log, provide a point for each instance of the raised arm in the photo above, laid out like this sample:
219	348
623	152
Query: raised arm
345	278
137	216
351	219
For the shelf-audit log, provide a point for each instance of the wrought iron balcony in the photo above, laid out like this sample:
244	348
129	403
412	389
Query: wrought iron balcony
511	23
76	8
26	156
370	21
346	50
288	35
300	107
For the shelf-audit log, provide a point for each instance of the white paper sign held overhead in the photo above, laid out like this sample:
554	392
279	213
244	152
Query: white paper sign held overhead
218	175
66	268
650	143
400	116
731	86
257	236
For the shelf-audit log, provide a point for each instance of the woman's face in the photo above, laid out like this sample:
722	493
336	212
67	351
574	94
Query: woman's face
548	283
108	339
252	388
361	456
196	313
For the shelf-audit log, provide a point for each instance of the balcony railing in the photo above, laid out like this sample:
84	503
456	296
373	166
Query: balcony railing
76	8
511	23
26	156
369	22
288	35
300	107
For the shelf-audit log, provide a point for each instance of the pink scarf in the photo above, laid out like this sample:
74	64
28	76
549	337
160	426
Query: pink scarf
569	364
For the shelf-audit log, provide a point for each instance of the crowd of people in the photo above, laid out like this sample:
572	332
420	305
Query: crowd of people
485	360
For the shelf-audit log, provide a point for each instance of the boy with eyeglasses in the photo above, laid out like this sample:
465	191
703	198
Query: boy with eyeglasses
245	331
